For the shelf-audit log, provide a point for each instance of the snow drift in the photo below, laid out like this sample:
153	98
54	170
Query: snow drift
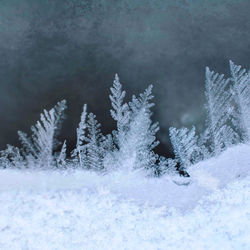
82	210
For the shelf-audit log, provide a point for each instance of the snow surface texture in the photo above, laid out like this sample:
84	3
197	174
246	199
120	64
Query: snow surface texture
82	210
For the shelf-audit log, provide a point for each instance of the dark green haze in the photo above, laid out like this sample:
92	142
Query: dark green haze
55	49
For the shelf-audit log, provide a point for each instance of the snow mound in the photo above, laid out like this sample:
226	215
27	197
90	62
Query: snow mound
78	219
216	172
81	210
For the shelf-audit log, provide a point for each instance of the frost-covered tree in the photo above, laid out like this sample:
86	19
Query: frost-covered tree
93	150
94	138
120	112
61	159
142	135
40	147
219	111
79	152
184	142
137	150
241	93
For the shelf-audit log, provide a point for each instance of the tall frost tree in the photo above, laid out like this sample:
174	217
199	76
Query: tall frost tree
219	111
94	139
80	151
184	142
140	140
120	112
241	92
40	147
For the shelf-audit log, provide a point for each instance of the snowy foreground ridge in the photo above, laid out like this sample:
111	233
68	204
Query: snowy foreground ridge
82	210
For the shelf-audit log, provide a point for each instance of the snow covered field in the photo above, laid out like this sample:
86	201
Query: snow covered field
82	210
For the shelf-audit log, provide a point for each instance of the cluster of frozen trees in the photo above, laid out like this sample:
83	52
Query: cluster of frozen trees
228	118
131	146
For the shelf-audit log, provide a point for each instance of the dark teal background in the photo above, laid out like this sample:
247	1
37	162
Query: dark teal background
54	49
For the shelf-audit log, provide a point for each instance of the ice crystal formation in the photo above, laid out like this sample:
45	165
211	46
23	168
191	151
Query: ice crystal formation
131	145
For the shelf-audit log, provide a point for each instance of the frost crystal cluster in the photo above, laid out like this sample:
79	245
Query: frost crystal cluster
131	146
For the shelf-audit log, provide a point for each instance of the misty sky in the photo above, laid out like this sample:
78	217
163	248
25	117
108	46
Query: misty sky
52	50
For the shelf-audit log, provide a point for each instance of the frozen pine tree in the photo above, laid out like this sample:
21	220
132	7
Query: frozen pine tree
142	137
120	112
79	152
94	138
61	160
40	147
241	93
137	151
184	142
219	111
